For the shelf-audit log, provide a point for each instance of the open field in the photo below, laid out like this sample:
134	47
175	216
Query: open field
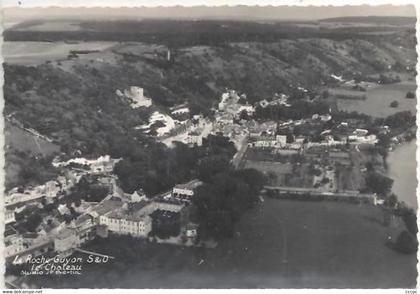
281	170
21	140
280	244
49	26
34	53
379	98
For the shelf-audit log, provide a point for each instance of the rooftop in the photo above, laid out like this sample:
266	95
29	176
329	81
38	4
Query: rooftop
64	234
107	206
190	185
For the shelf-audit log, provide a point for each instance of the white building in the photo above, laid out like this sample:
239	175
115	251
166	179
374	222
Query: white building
52	188
13	244
223	102
325	117
16	197
186	191
194	138
191	230
282	140
9	216
250	110
64	183
66	240
137	196
125	223
136	94
370	139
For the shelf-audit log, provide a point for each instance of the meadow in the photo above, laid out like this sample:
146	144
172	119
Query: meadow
34	53
378	99
277	244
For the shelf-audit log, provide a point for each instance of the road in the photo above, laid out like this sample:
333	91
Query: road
237	158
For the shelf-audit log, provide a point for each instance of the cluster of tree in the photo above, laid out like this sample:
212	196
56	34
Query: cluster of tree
406	243
394	104
28	169
410	95
90	191
378	183
387	79
409	217
165	224
298	110
186	33
223	199
157	168
402	119
32	222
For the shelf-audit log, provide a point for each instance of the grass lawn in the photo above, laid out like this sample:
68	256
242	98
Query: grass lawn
34	53
379	99
26	142
279	244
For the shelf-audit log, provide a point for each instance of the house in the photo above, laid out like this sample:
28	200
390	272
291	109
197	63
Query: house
166	203
66	240
325	117
63	209
52	188
263	103
300	139
85	227
99	211
64	183
9	216
137	196
360	132
265	142
194	138
13	245
104	164
185	191
282	140
249	109
136	94
131	220
223	102
191	230
370	139
22	196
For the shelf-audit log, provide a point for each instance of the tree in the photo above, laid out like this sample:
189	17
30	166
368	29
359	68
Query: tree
32	222
394	104
410	95
409	217
244	115
222	200
211	165
378	183
392	200
406	243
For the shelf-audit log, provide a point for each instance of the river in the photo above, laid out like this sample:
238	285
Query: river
402	169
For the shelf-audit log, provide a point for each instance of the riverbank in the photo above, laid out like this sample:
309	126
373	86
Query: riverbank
402	166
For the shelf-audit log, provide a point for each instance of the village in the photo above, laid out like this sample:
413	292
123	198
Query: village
312	156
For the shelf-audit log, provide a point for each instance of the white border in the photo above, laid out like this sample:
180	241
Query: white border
189	3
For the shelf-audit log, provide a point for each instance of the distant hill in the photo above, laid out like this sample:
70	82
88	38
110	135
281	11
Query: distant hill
388	20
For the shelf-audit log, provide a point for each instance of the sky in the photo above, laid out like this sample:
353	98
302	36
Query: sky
119	3
224	12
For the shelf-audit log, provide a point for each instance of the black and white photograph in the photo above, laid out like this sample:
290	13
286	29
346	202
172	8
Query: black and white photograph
209	147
